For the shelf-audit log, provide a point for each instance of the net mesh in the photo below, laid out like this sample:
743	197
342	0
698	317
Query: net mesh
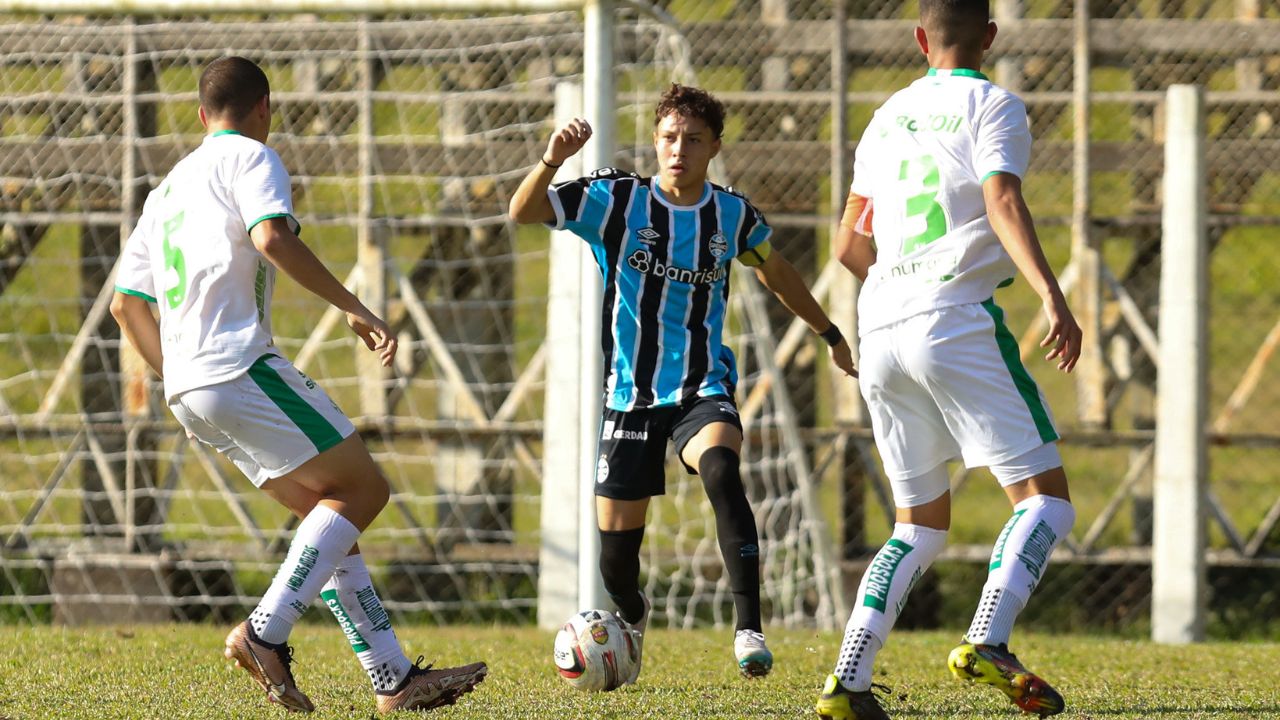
405	138
406	135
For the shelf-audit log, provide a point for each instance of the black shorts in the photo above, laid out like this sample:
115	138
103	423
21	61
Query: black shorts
633	445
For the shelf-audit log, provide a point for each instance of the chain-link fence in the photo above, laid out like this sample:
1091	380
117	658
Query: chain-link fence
406	136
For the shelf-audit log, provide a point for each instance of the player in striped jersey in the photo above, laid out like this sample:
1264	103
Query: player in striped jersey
664	245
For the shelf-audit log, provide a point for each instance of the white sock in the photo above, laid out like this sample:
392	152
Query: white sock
881	594
349	594
323	538
857	655
1018	560
993	622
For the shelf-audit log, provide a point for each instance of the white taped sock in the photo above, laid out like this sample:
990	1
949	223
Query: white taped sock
350	596
993	622
1018	561
857	656
323	538
881	594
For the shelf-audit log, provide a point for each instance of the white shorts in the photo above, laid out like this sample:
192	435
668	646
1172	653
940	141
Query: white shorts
268	421
950	383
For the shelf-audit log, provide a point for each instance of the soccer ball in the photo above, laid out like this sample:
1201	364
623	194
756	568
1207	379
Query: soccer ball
595	651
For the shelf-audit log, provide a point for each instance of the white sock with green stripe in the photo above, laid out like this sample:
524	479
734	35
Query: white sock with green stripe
323	538
1018	560
349	594
881	594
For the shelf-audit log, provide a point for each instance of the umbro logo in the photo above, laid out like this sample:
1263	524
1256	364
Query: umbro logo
648	235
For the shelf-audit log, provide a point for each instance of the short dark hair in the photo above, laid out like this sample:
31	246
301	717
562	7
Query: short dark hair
231	86
955	23
691	102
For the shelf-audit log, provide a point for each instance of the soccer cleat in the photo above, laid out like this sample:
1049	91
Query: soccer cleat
268	665
754	658
994	665
426	689
636	630
840	703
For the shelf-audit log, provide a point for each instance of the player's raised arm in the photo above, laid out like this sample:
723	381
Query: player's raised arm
1012	223
530	204
853	247
278	243
785	282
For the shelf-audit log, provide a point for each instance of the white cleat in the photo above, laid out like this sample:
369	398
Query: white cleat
754	658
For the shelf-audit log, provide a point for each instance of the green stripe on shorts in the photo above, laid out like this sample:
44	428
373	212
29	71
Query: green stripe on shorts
312	424
1021	378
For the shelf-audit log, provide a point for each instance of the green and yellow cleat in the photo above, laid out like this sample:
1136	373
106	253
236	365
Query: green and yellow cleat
994	665
839	703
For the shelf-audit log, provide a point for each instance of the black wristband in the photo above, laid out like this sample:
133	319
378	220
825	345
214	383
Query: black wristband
544	162
832	335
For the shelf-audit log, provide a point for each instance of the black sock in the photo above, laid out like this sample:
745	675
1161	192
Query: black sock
736	531
620	568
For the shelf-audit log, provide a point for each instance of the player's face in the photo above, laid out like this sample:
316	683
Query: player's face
685	147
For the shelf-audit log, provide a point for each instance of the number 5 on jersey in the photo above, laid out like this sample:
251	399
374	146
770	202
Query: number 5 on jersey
173	260
922	172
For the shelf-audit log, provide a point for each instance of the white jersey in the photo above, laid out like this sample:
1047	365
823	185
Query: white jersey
922	162
191	254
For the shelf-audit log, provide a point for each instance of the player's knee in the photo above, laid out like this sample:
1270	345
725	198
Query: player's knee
718	468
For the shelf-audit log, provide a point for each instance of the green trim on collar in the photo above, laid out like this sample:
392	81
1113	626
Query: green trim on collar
226	132
958	72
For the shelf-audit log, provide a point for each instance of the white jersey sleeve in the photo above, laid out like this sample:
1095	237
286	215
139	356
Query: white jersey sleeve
1002	143
262	192
133	276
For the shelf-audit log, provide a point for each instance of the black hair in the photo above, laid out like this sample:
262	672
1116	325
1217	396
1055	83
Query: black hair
231	86
955	23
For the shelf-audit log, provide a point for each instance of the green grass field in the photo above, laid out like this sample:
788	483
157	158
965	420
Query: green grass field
177	671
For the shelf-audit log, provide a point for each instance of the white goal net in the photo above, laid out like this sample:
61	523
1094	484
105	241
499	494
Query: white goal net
405	137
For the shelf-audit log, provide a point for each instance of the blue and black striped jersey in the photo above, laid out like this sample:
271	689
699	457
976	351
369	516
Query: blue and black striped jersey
666	282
